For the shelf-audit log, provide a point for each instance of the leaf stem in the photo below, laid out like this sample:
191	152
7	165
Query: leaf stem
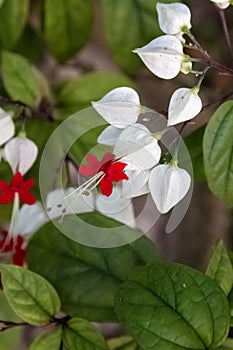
226	31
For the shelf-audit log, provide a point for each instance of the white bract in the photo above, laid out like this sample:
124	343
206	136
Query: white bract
7	127
119	107
137	148
21	154
168	185
163	56
184	105
222	4
173	18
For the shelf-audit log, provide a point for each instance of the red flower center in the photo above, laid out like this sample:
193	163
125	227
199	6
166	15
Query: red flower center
17	185
111	169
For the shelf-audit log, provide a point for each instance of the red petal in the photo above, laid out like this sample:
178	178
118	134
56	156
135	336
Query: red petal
6	197
17	180
106	187
28	184
19	257
3	186
115	172
107	157
91	168
26	197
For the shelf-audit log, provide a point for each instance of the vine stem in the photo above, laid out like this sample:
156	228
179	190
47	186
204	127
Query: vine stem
5	325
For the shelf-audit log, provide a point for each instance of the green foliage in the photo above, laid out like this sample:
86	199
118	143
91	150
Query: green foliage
67	26
22	81
13	14
48	341
170	306
92	275
218	152
220	267
122	343
194	144
227	345
80	334
78	93
31	297
128	25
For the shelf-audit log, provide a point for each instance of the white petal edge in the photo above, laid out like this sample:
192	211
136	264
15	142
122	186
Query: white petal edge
21	154
162	56
31	218
109	136
168	186
173	17
7	127
136	185
120	107
184	105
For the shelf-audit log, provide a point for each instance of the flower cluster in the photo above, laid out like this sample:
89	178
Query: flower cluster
20	153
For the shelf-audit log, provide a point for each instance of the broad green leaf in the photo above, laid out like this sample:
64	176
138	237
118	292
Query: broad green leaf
122	343
13	14
67	26
21	80
30	296
78	93
128	25
80	334
48	341
9	339
91	275
194	144
29	45
218	152
169	306
220	267
227	345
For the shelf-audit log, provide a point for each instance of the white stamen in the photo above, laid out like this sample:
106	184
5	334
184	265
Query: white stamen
14	218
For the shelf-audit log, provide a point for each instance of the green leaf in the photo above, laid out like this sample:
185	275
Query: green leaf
169	306
13	14
67	26
29	45
220	267
30	296
122	343
218	152
21	80
78	93
194	144
9	339
48	341
227	345
80	334
128	25
91	275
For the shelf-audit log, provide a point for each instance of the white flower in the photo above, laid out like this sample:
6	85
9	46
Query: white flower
30	219
222	4
168	185
173	18
184	105
137	148
163	56
119	107
7	127
21	154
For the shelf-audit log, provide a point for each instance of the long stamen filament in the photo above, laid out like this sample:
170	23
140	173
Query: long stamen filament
14	218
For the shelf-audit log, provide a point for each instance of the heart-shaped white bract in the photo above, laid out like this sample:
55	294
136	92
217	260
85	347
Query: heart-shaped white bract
184	105
137	184
21	154
137	148
116	207
119	107
222	4
7	127
168	185
31	218
109	135
173	18
163	56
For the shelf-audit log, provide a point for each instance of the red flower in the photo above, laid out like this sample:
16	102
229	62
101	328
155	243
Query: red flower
18	256
17	185
113	171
